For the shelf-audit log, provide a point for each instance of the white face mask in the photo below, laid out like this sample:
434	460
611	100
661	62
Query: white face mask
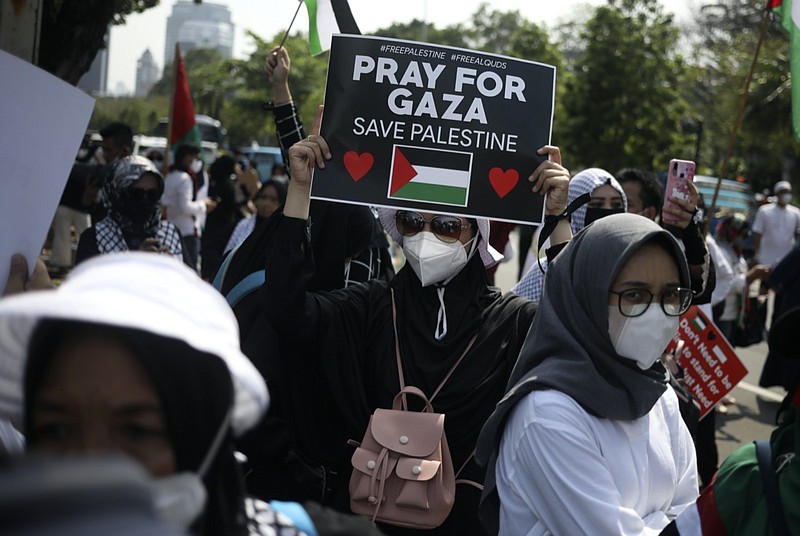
785	199
179	499
197	166
641	338
431	259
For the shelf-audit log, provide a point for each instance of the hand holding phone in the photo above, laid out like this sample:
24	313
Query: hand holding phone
680	174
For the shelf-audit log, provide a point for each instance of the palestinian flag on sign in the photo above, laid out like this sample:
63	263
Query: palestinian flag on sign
183	128
789	15
430	175
325	18
699	325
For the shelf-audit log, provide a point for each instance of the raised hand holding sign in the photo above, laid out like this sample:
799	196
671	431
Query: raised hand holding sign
440	129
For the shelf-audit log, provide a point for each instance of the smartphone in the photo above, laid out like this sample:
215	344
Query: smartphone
680	174
135	240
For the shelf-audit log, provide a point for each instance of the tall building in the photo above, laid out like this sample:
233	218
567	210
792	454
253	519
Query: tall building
205	25
147	73
95	80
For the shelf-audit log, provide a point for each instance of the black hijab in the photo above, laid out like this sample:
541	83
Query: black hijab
196	393
569	349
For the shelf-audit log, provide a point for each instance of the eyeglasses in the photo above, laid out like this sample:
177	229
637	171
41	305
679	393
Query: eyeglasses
635	301
446	228
143	194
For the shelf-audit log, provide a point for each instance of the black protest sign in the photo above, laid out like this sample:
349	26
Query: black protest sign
438	129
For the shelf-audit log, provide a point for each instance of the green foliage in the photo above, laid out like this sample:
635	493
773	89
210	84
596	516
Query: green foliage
141	114
623	103
244	113
625	95
723	54
72	31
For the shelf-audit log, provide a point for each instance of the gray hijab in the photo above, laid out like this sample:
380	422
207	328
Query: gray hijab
568	347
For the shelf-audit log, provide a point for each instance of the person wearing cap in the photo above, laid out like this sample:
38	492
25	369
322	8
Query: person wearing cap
776	226
739	501
135	354
344	353
132	193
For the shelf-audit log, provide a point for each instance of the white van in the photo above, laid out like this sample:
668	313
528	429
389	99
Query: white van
142	145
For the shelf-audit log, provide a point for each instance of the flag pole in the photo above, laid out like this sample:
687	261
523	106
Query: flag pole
171	109
745	94
296	11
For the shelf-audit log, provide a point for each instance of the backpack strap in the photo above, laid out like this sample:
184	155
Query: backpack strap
400	362
219	277
464	480
244	287
769	481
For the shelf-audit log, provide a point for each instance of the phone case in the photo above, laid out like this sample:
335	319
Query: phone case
680	174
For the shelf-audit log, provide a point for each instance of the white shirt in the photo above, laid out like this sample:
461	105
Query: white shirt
177	200
724	271
777	227
562	471
738	283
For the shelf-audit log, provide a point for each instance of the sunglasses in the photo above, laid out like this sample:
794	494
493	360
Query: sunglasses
150	195
446	228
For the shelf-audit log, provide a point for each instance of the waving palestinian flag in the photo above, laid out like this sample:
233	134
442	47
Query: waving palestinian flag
325	18
183	128
789	14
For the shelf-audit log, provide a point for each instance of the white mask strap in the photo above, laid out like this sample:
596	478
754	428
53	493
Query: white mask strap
212	450
441	318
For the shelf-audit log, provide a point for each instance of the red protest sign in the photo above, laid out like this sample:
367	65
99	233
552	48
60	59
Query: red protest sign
711	366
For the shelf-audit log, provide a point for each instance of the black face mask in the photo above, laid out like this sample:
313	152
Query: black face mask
138	206
595	213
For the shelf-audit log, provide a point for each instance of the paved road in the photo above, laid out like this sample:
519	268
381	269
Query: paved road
753	415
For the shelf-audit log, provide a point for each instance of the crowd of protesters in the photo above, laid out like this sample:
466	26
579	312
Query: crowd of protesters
236	339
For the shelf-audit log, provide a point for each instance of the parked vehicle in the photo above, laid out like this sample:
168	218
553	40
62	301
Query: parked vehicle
211	130
733	196
143	145
262	159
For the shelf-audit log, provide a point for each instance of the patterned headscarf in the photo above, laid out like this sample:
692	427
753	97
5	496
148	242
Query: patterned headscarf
587	181
114	231
124	173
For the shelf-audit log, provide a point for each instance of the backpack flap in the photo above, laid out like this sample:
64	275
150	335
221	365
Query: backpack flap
408	433
417	469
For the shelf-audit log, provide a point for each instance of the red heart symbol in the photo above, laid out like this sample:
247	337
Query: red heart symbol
358	165
503	181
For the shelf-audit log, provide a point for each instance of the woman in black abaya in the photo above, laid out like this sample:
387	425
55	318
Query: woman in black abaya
343	342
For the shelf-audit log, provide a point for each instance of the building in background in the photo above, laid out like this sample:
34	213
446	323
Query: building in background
147	74
204	25
95	80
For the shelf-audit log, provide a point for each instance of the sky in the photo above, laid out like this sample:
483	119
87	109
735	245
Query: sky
268	17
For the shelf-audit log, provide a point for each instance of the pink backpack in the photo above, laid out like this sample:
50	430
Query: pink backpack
402	471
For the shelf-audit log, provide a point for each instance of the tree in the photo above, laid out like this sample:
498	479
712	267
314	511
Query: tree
764	151
417	30
623	104
73	31
246	110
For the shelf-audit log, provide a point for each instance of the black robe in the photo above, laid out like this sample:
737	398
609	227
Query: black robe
338	359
